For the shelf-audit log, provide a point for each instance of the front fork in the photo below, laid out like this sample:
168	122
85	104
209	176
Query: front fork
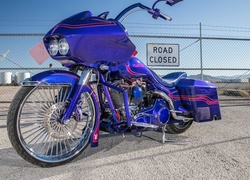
81	87
86	74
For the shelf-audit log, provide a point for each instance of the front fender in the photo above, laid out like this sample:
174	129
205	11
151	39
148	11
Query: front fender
67	77
53	77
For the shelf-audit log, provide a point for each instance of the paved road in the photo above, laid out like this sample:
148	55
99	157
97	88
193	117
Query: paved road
214	150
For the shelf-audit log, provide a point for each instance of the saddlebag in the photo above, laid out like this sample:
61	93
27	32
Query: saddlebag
200	97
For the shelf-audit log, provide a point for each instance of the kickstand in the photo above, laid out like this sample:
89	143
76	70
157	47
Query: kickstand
170	140
164	137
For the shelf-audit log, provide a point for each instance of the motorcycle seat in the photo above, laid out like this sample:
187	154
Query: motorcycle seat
170	80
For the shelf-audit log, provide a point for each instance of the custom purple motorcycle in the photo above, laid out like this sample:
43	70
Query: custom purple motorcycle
56	114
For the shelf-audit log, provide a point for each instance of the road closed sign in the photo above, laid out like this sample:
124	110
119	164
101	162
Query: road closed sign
163	55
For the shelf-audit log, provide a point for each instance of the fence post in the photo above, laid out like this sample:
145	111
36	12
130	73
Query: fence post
201	60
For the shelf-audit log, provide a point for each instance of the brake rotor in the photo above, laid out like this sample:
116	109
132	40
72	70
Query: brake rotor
52	123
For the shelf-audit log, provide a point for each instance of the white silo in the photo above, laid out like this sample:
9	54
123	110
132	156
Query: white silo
20	76
5	78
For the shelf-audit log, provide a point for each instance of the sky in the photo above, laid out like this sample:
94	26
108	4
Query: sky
38	16
223	18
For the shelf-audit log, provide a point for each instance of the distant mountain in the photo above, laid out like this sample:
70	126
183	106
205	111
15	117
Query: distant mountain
236	78
247	76
206	78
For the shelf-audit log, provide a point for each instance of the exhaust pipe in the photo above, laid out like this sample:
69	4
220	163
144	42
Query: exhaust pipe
171	106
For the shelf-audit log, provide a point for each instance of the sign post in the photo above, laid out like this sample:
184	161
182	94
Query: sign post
163	54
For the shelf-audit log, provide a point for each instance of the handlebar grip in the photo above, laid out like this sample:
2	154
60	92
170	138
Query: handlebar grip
165	17
157	13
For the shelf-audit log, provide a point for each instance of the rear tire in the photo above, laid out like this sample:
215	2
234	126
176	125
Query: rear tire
178	128
35	131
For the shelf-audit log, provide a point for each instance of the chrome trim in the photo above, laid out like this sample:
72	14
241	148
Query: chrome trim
85	77
146	125
66	62
171	106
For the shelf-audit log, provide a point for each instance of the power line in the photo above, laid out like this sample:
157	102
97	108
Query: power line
134	23
4	20
226	27
153	24
15	63
136	27
225	30
26	25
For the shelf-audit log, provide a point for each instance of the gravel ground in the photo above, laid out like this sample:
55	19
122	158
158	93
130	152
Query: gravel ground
213	150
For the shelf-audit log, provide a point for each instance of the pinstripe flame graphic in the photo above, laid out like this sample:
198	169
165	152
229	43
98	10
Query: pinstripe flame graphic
203	98
87	25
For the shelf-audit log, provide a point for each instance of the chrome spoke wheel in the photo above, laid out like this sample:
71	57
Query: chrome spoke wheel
40	132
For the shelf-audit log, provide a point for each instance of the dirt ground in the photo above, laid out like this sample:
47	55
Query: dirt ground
212	150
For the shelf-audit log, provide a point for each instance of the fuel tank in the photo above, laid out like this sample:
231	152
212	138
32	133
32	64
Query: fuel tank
134	68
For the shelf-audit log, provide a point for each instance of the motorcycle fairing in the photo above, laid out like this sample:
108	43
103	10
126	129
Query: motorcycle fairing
93	41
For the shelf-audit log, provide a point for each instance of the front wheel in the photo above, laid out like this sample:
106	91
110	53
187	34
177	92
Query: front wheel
34	127
178	128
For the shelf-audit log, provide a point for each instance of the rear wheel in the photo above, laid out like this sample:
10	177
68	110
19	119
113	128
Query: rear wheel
35	130
178	128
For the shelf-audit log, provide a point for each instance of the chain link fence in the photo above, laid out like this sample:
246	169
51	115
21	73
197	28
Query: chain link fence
222	61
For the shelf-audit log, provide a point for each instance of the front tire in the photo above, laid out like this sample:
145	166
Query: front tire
34	127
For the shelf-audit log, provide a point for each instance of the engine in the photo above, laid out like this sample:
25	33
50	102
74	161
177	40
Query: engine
136	95
146	109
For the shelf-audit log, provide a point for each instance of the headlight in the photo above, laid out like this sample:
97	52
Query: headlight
63	47
53	47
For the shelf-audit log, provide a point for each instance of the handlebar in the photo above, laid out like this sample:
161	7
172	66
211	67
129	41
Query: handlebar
153	11
119	16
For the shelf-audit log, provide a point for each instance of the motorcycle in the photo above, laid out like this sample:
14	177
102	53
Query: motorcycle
56	114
